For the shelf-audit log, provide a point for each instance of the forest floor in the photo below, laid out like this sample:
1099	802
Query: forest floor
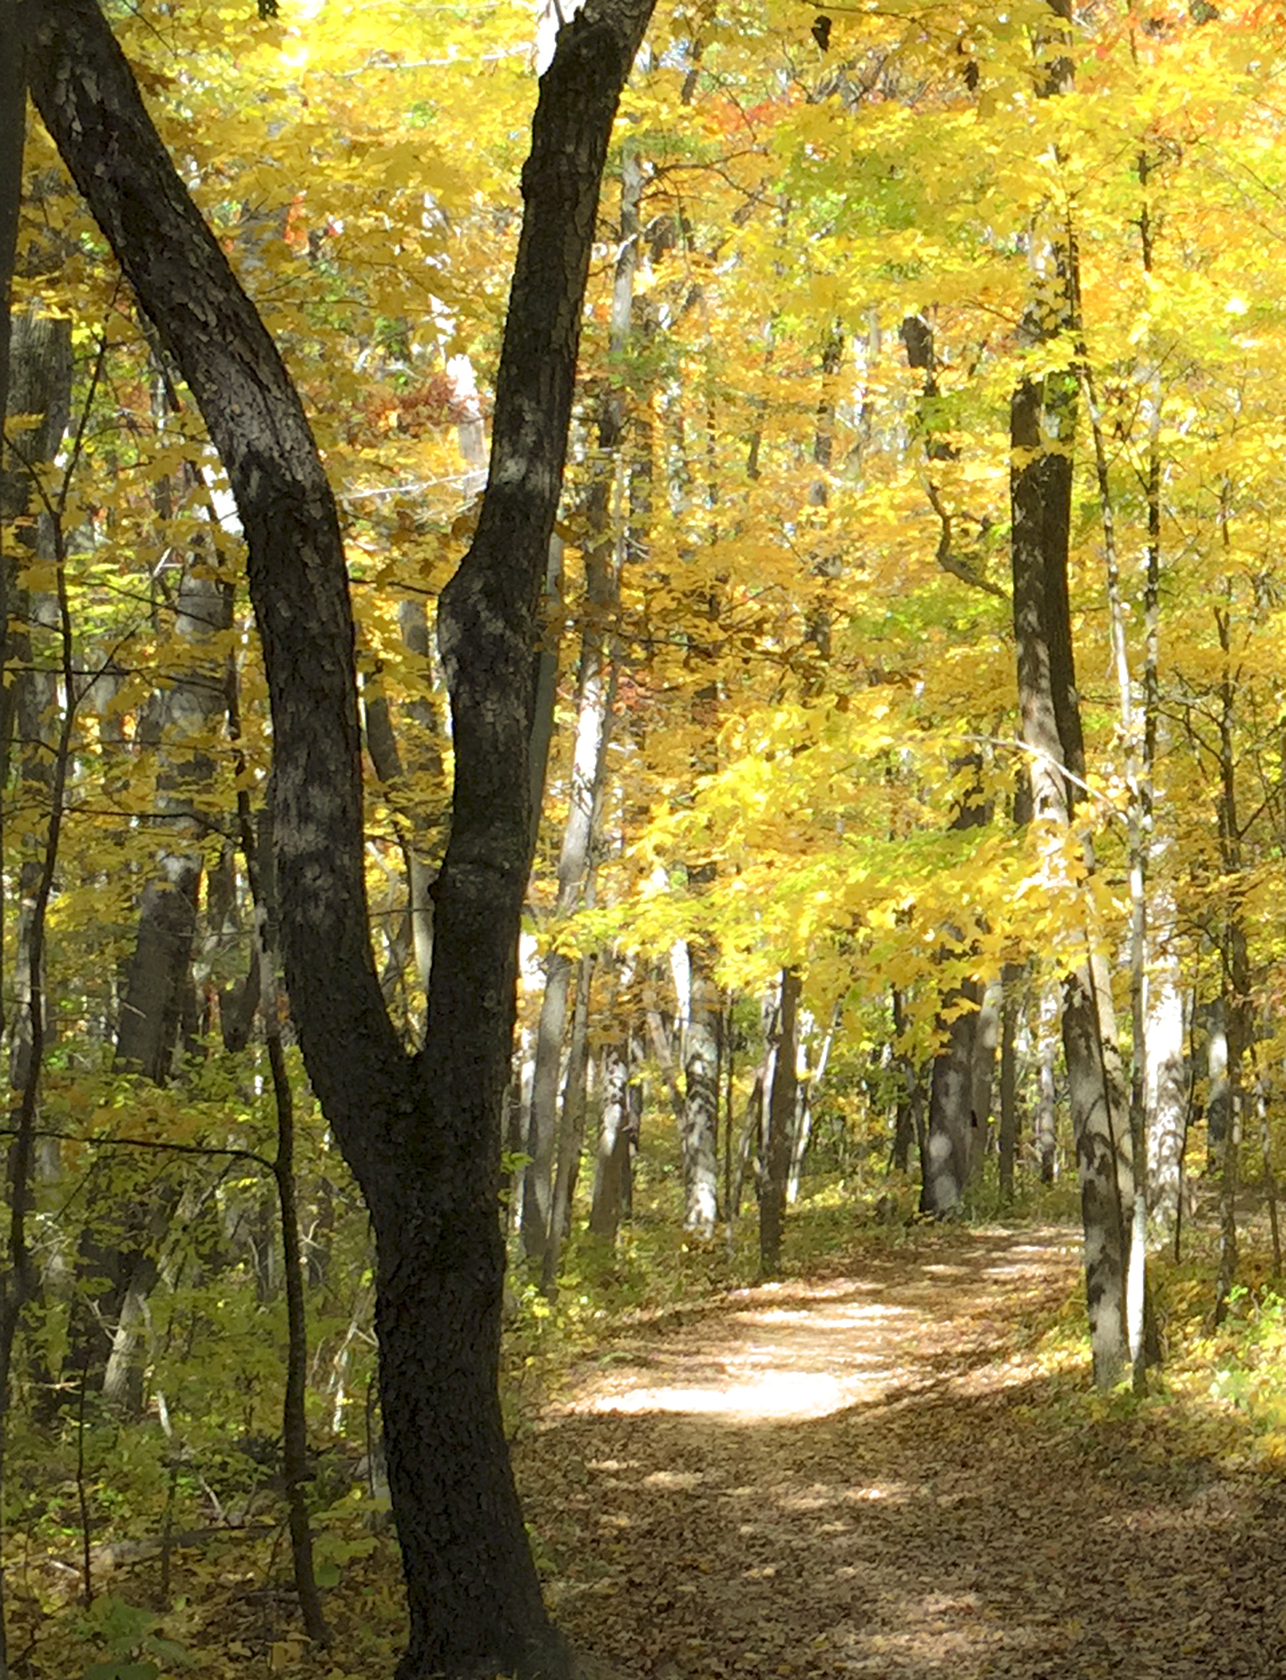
881	1473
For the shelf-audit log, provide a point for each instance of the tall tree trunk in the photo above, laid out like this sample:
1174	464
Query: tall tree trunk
780	1115
421	1134
1042	427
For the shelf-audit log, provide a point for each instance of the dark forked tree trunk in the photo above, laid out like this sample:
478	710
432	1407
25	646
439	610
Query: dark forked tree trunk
421	1133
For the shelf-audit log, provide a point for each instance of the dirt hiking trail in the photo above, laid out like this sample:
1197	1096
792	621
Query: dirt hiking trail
870	1474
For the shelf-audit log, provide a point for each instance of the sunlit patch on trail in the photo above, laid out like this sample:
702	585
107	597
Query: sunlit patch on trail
792	1362
771	1394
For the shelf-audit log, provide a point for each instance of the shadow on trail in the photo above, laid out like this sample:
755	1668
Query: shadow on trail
862	1475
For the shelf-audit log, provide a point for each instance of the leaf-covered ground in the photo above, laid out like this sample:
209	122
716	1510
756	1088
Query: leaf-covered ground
880	1474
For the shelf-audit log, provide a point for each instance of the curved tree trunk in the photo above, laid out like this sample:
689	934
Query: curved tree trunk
422	1134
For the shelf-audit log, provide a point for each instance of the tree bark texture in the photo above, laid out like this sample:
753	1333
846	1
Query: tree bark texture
422	1133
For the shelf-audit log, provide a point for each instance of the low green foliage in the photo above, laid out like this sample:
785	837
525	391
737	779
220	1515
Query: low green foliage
131	1638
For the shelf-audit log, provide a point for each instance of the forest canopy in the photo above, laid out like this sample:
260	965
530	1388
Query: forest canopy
632	632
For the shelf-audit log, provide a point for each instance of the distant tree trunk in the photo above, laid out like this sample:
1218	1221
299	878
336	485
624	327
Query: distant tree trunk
946	1158
1138	737
1166	1077
39	379
604	553
1263	1122
571	1131
1236	982
422	1134
13	122
698	1126
123	1246
1218	1093
19	1277
753	1128
1045	1128
613	1157
596	687
804	1108
949	1134
404	767
780	1114
1007	1146
1238	1007
177	729
908	1117
542	1111
986	1037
